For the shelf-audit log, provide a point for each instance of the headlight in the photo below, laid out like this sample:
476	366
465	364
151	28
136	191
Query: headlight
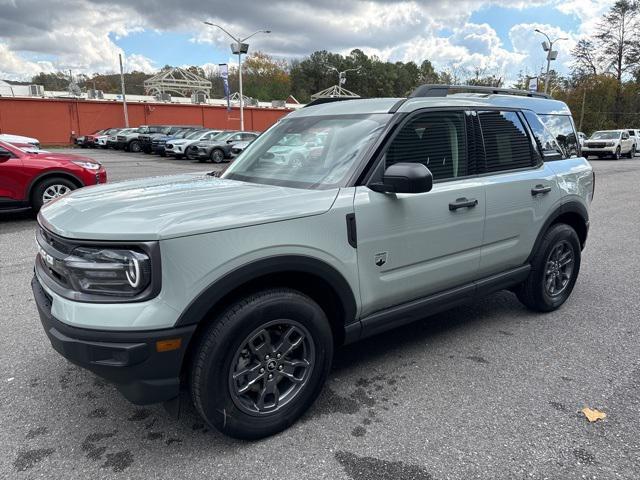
102	271
610	144
88	165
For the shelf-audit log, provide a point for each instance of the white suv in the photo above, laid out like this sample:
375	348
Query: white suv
610	143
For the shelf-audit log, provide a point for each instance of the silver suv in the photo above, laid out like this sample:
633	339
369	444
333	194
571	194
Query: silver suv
239	288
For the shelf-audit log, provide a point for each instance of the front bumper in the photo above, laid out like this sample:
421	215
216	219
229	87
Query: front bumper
598	151
130	360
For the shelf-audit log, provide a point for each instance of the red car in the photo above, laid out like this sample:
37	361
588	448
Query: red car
31	178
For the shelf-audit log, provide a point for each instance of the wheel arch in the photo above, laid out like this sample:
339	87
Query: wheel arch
574	214
311	276
49	174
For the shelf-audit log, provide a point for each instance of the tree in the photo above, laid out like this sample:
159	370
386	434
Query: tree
585	58
619	42
265	78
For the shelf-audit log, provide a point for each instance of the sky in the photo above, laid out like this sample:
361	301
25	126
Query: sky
86	36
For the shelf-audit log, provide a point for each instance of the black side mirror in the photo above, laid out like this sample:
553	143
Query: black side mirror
405	178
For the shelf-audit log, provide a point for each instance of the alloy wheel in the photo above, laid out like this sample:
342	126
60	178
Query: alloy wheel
559	268
54	191
217	156
271	366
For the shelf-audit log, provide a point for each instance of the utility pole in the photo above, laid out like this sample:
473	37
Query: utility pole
124	96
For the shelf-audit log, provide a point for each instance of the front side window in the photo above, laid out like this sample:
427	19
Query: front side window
309	152
561	126
435	139
506	143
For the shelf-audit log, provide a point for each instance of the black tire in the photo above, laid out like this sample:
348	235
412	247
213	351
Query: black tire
217	155
632	152
222	349
135	146
533	292
178	156
38	192
163	154
617	155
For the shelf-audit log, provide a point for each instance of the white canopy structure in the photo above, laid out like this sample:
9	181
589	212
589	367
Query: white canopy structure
179	81
333	92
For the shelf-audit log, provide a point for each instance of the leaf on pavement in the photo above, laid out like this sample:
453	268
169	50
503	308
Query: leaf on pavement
593	414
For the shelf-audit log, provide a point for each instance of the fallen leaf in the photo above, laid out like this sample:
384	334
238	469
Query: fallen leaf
593	414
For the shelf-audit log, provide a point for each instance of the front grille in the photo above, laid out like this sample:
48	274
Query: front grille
121	138
596	144
59	244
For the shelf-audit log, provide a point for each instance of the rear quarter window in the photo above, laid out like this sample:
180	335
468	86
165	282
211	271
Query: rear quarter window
507	145
561	126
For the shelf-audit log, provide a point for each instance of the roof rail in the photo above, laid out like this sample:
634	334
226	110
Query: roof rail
443	90
321	100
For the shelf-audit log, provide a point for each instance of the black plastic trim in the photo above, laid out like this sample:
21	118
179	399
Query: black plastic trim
127	358
207	299
352	232
409	312
571	206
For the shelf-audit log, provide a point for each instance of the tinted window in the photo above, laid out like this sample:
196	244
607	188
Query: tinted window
435	139
506	143
545	139
561	126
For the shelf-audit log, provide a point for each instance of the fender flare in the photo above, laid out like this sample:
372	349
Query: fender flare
571	206
200	306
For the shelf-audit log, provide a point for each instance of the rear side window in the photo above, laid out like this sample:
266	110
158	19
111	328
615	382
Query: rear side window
506	143
435	139
561	126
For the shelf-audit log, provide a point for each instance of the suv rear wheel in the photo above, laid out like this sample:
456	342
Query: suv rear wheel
262	364
554	270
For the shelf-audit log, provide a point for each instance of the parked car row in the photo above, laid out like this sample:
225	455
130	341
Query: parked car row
612	143
179	141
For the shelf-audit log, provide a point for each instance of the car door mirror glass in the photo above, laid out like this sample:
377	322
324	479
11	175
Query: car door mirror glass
405	178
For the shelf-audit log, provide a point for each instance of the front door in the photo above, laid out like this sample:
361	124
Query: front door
11	177
414	245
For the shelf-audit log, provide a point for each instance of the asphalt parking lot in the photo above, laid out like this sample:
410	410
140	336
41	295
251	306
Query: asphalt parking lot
485	391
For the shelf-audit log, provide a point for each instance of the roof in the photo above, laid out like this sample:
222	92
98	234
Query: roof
542	106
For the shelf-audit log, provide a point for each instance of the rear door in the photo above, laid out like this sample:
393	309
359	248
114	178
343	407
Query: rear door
414	245
521	189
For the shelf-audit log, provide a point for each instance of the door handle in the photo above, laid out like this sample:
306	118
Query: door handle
463	203
540	190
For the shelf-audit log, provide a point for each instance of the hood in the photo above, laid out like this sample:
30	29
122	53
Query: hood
168	207
6	137
59	157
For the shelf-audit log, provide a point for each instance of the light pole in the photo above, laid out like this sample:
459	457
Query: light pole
238	48
551	55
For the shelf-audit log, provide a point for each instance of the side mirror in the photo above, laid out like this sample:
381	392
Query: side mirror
4	156
405	178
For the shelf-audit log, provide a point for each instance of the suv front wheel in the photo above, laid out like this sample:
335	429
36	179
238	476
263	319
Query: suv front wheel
554	270
262	364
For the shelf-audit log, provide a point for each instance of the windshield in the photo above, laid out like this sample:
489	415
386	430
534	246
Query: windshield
605	136
308	152
192	135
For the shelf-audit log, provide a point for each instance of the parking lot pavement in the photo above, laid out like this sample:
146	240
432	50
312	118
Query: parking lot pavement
485	391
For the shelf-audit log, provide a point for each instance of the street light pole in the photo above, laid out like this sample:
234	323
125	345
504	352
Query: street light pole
239	47
551	55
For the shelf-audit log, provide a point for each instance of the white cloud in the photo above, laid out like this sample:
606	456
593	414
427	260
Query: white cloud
14	67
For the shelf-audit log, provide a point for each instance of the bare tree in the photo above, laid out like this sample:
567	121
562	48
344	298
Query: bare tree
619	37
586	61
